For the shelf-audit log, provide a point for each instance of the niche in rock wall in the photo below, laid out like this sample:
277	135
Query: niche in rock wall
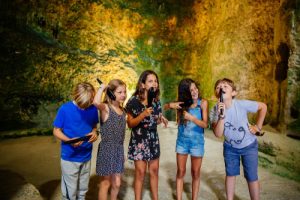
281	70
294	112
282	66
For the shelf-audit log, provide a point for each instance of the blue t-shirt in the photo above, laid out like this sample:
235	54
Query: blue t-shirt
236	129
76	122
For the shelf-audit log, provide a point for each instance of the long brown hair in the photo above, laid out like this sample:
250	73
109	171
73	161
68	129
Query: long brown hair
140	91
184	95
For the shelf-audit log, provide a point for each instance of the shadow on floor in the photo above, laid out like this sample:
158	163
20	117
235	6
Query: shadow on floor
47	190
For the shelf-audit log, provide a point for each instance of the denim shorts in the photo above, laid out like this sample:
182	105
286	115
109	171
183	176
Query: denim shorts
249	156
193	145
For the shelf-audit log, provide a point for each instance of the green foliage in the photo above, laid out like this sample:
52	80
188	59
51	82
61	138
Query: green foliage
288	169
169	88
285	165
149	55
204	77
288	175
265	162
267	148
160	10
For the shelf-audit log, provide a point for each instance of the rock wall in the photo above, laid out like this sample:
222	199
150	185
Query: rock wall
290	113
51	45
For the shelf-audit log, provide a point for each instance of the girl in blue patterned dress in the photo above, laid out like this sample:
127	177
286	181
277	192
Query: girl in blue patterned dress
144	146
110	158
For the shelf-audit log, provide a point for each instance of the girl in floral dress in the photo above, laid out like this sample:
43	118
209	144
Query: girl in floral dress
143	117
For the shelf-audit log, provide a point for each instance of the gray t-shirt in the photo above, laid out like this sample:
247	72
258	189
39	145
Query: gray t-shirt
236	129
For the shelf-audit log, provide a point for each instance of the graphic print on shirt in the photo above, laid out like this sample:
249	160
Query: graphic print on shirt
238	133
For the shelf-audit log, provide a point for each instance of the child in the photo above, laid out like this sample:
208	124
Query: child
144	146
75	119
110	158
230	118
192	118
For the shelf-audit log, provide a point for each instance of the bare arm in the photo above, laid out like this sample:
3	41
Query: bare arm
261	114
133	122
218	126
57	132
97	99
204	122
102	107
172	105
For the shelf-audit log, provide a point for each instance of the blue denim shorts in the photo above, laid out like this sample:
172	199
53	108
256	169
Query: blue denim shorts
193	145
249	156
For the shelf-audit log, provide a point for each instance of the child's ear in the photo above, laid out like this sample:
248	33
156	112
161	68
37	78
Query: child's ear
234	93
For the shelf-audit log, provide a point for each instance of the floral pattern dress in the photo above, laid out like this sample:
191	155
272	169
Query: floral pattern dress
144	141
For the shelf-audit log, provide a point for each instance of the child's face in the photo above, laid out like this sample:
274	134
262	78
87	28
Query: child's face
151	81
228	92
120	93
194	91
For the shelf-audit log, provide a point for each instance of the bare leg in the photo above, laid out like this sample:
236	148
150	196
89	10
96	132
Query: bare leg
140	171
196	166
230	185
254	190
103	187
181	169
153	171
115	186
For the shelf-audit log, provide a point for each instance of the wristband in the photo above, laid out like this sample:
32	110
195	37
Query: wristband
221	117
259	133
259	129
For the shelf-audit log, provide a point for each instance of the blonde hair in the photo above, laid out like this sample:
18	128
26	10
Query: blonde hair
112	86
83	94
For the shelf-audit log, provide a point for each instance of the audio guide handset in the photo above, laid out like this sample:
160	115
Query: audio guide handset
221	92
151	96
83	138
109	93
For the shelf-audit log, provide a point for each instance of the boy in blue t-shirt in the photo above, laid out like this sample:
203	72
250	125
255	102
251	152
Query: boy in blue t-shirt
76	119
229	118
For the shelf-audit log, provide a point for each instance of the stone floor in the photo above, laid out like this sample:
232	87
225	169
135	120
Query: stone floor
37	160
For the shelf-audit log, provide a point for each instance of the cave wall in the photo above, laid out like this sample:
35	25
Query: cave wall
290	113
49	46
